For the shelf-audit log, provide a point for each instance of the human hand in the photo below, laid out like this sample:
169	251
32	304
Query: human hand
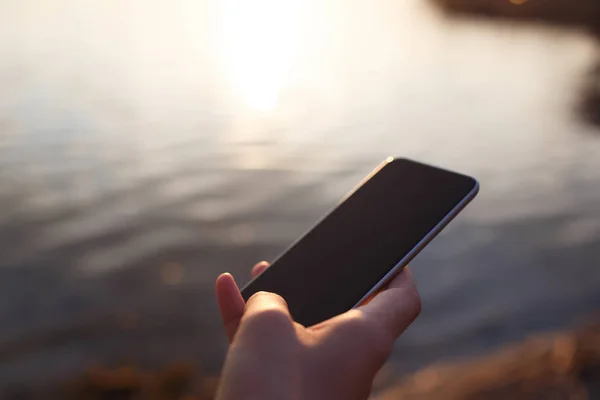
271	357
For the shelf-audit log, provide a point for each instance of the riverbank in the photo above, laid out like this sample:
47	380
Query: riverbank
581	14
563	365
572	12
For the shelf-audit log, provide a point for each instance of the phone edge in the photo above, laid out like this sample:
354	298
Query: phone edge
421	245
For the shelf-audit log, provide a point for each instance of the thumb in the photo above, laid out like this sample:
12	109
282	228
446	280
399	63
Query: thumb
267	320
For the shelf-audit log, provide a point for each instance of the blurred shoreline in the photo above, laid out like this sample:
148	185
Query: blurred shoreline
561	365
582	13
564	365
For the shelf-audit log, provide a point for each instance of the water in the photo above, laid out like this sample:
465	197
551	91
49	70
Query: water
146	147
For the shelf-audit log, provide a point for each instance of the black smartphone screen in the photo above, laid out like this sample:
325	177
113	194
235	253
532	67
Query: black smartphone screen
331	268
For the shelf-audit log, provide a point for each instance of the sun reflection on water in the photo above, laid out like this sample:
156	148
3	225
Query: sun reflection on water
259	39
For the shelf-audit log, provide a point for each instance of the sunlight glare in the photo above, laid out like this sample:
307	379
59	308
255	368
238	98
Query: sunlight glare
259	38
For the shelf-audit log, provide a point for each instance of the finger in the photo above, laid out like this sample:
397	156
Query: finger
372	296
231	303
267	318
259	268
265	301
395	308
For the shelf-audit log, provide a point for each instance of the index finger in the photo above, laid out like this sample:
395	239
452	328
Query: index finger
395	308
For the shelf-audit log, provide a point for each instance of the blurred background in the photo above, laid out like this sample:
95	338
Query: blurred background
147	146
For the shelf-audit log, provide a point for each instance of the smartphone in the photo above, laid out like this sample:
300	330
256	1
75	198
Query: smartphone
356	249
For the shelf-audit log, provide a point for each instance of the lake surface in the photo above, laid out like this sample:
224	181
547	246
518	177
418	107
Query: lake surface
145	147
